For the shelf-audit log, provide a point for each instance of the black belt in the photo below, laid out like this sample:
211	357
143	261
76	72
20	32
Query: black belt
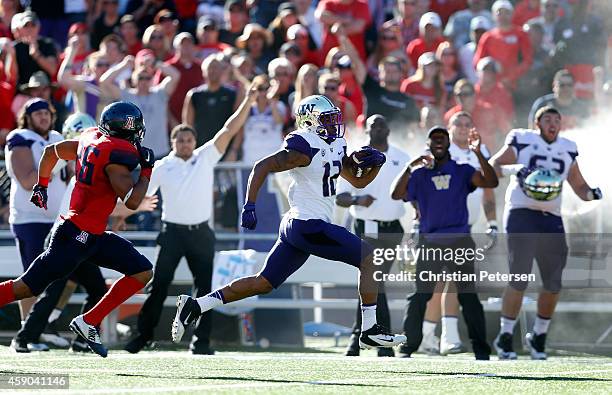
187	227
382	224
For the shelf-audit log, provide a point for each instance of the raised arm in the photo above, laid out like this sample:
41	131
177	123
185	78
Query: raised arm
172	78
235	122
187	114
400	184
504	161
486	177
357	65
64	76
107	80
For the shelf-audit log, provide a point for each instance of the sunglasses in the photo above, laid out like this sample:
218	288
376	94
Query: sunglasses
144	78
102	65
263	88
331	87
282	74
157	37
566	84
388	38
465	93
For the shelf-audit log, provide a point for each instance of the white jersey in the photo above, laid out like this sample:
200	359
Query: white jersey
383	208
531	150
474	200
65	204
22	211
313	188
262	135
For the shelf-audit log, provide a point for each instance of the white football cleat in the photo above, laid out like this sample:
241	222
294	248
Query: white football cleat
451	348
90	334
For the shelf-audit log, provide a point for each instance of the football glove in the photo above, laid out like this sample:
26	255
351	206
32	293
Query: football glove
369	157
595	194
248	217
491	233
147	160
39	196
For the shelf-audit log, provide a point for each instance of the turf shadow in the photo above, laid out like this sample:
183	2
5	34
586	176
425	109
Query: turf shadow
514	377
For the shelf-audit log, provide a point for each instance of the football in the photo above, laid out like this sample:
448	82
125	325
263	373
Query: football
355	158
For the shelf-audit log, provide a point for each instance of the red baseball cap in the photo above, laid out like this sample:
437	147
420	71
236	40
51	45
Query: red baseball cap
78	27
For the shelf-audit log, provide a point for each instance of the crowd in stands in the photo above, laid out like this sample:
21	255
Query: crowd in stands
416	62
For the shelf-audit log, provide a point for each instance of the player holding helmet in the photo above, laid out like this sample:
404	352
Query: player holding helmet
104	158
542	160
315	155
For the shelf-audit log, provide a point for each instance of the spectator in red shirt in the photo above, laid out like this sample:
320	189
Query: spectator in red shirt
208	37
483	114
425	86
389	43
128	30
80	34
187	64
446	8
407	19
524	11
299	35
430	36
490	90
353	15
507	44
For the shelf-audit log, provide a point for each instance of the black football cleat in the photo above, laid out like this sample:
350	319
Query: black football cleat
536	345
378	336
503	346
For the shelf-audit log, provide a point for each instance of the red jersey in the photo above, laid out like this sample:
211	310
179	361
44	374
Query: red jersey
357	9
506	47
422	96
418	47
93	198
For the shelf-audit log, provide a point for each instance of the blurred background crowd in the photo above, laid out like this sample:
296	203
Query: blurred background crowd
416	62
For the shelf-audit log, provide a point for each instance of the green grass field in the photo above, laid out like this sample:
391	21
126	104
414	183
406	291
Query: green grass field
319	370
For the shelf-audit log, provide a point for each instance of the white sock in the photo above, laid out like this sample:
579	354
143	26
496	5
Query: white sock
429	328
54	315
541	325
507	324
210	301
450	329
368	316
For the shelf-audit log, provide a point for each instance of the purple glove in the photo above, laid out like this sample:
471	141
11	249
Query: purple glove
248	217
368	157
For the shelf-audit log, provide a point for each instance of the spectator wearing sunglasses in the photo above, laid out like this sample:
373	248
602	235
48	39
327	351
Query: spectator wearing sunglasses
389	43
155	39
207	34
329	85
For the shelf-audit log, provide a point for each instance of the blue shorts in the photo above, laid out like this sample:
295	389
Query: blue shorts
536	235
69	247
298	239
30	240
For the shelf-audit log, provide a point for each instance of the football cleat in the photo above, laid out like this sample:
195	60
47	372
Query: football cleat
451	348
38	347
187	312
536	345
19	346
378	336
79	345
54	339
503	346
90	334
353	348
430	345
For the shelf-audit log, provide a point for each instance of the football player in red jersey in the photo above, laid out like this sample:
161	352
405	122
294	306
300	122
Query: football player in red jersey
105	157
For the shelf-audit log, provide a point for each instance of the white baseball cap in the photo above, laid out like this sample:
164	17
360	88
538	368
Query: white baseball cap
426	59
480	22
430	18
499	4
295	30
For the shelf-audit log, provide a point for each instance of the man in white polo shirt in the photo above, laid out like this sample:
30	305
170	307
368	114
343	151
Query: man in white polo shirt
185	178
376	213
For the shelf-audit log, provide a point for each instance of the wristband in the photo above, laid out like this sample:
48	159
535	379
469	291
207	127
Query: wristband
146	172
43	181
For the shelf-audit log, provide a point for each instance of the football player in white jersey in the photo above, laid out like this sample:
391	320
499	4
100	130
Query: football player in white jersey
540	161
315	155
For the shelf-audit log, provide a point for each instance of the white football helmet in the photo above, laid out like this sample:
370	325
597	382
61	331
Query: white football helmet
542	184
319	115
76	123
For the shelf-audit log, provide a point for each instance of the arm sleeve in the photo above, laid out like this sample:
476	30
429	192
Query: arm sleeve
298	143
17	140
125	158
